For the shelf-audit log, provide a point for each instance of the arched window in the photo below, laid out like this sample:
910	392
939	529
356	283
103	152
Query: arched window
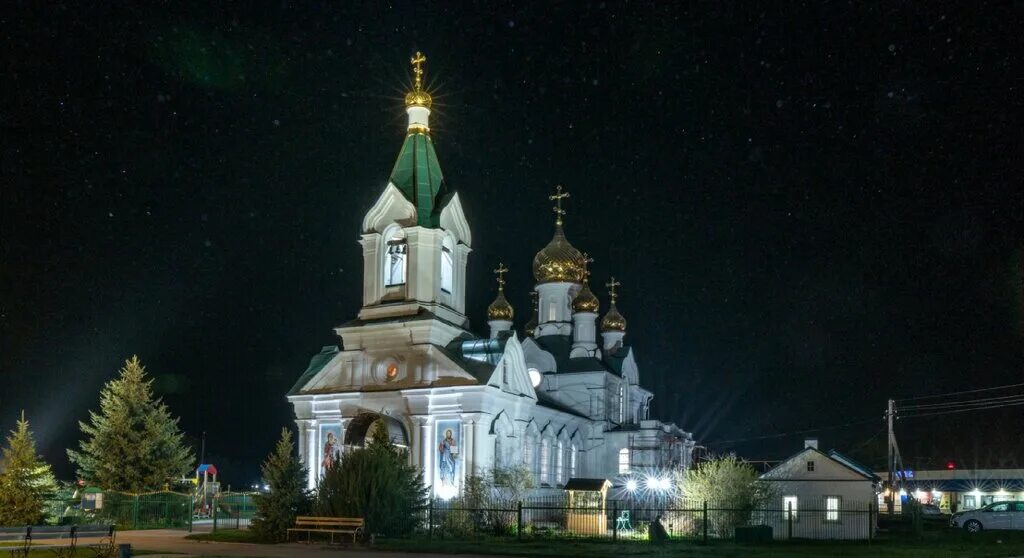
396	261
545	462
530	454
573	452
560	464
623	461
447	265
499	450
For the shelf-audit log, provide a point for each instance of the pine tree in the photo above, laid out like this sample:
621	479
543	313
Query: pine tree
376	483
25	481
133	443
286	477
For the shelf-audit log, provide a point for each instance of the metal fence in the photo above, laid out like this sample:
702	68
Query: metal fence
233	510
154	510
555	518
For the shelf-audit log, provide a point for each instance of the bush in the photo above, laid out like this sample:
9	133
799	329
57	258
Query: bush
730	488
377	484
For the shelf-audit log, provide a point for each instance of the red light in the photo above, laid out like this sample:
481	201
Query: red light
950	465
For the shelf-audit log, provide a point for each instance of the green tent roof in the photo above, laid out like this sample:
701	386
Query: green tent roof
418	175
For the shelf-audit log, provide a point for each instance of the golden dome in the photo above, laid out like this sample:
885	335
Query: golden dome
586	301
418	99
559	261
500	309
613	321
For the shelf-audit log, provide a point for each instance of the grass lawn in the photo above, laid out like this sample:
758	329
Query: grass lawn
932	544
952	544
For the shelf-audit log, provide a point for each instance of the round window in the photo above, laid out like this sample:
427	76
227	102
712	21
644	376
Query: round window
391	372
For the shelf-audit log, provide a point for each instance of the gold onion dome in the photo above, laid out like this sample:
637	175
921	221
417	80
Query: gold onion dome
500	309
613	320
418	97
586	301
559	261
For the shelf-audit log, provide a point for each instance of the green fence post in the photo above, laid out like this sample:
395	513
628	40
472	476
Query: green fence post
519	520
615	520
705	522
430	519
135	512
789	520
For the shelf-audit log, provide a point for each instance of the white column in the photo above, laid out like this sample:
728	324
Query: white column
311	454
426	463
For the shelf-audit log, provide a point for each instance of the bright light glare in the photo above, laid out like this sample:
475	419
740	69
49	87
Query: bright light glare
631	485
663	483
447	492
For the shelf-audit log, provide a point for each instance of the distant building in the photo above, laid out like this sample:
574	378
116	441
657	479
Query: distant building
829	495
959	489
563	398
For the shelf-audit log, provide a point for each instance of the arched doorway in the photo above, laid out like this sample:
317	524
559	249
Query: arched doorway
359	428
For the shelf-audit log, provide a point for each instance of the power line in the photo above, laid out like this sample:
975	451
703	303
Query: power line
958	392
784	434
965	402
992	406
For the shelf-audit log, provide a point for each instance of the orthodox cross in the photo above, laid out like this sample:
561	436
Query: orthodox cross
586	260
500	272
417	68
557	197
611	289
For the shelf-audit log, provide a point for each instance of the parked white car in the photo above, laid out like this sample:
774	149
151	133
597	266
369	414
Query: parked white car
997	515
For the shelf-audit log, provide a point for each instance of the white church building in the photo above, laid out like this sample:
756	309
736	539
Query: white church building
557	398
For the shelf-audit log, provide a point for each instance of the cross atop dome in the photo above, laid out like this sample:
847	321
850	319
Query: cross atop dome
611	289
557	197
418	97
500	271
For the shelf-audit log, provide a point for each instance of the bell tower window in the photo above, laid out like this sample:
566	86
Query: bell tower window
447	266
395	264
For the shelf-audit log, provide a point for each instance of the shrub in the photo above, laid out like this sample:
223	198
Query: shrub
377	484
730	488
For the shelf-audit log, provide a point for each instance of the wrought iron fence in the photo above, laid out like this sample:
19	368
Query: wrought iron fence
554	517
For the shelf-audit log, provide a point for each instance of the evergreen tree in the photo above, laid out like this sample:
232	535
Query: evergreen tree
133	443
25	480
287	498
375	483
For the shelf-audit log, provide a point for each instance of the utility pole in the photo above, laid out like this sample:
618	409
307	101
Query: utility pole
889	502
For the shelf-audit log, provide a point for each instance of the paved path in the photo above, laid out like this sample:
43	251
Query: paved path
173	541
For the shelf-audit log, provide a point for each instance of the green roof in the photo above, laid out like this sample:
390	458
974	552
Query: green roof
316	364
417	174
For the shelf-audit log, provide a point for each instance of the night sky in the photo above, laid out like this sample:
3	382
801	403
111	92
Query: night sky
810	210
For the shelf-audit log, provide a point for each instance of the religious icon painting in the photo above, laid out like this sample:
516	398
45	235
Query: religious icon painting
449	458
330	446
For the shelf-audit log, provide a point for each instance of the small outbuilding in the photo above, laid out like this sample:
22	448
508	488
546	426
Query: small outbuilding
821	495
587	510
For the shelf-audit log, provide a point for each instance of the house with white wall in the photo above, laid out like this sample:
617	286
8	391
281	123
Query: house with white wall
819	495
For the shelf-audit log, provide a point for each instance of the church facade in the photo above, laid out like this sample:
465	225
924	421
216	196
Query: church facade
562	399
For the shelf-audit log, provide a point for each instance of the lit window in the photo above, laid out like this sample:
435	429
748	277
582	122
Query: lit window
789	506
810	466
395	264
446	268
545	462
970	502
623	461
832	508
572	461
552	311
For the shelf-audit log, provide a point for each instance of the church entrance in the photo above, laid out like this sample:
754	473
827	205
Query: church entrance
357	434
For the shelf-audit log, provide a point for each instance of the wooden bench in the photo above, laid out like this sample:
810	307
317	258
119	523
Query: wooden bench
62	540
328	525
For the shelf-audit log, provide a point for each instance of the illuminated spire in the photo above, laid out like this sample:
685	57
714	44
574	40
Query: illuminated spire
418	97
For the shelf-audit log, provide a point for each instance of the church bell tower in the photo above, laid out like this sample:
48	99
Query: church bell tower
416	239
